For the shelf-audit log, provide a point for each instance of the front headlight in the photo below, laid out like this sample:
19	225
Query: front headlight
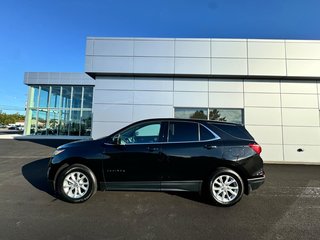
58	151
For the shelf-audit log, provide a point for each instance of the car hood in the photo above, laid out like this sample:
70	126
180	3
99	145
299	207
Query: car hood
77	144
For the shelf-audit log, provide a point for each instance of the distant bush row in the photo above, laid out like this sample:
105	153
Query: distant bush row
6	119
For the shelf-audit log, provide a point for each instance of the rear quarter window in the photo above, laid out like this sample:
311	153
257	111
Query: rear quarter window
236	131
205	134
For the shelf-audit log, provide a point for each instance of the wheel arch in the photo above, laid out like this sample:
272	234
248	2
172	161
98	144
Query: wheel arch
82	161
233	167
83	190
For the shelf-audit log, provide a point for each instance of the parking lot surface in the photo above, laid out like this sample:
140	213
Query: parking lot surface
287	206
6	131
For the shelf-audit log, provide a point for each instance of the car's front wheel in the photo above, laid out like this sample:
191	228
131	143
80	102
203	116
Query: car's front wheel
77	183
225	187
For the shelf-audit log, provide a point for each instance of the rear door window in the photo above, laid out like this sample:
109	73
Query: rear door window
183	132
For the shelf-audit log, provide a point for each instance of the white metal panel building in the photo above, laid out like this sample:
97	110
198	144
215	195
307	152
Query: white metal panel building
271	86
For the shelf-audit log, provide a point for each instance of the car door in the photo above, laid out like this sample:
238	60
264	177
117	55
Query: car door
191	151
136	161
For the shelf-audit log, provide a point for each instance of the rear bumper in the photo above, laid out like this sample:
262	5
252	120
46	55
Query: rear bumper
254	183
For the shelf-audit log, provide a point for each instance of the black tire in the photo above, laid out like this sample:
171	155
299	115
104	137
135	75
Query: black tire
77	183
225	187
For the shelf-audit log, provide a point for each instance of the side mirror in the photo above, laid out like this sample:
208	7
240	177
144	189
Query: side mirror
116	139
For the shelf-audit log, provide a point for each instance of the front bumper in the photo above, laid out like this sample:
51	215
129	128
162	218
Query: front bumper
50	179
254	183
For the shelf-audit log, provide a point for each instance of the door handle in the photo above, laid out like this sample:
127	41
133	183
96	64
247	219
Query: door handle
207	146
153	149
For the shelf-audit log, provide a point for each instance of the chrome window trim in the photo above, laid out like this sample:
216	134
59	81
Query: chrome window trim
152	143
216	137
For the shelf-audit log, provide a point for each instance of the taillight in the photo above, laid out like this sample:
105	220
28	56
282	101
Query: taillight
256	147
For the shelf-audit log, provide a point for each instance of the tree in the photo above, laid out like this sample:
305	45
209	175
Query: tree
215	115
6	119
199	115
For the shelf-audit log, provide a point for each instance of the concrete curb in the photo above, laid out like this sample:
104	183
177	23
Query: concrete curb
9	136
32	137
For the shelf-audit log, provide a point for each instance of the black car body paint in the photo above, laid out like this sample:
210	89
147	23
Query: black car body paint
162	162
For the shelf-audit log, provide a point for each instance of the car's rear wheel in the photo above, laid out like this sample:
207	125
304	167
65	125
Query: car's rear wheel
225	187
77	183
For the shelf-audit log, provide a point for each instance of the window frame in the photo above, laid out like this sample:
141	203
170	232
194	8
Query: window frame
164	133
208	113
216	137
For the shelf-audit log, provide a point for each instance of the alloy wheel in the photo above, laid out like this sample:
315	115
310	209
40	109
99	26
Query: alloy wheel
225	189
75	185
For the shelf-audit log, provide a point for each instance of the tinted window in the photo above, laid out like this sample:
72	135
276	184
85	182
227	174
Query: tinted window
143	133
205	134
183	132
235	131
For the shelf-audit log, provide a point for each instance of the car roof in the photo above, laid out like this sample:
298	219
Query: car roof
190	120
205	122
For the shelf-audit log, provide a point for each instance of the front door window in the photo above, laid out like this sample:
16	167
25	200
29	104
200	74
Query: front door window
141	134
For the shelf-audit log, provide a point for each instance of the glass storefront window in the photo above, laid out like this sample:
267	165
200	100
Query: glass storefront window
44	96
64	122
86	121
195	113
226	115
217	114
53	122
75	123
87	97
33	121
77	96
61	110
42	122
55	97
34	94
66	96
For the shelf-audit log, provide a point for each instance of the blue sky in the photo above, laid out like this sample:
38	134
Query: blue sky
49	35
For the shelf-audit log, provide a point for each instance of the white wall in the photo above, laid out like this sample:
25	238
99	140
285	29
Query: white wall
239	57
119	101
283	116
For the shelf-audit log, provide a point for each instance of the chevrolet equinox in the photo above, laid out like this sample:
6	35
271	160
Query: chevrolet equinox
219	158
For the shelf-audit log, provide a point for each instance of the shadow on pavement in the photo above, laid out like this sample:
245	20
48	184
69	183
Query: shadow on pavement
193	196
35	173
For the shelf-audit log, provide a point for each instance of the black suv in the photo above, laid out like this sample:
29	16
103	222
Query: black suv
219	158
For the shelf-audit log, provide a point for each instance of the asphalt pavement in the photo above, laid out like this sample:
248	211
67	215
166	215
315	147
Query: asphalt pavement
287	206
